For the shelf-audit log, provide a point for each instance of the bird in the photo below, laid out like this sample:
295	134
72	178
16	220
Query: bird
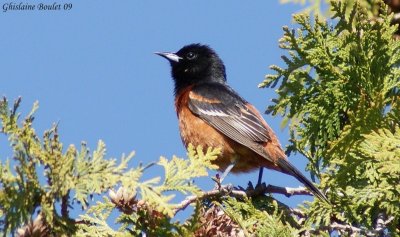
212	114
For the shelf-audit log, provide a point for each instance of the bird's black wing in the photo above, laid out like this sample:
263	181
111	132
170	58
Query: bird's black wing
227	112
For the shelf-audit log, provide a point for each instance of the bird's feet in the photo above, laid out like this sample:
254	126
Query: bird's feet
259	189
218	186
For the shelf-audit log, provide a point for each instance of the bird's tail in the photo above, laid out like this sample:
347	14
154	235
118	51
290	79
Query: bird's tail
291	170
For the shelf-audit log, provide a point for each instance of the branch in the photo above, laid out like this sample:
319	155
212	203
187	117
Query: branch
226	190
208	194
64	205
381	226
288	192
297	212
342	227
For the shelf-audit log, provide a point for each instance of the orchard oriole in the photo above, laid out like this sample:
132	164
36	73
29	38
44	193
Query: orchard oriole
212	114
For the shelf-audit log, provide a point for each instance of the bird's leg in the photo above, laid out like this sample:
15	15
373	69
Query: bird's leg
259	181
218	179
227	170
260	174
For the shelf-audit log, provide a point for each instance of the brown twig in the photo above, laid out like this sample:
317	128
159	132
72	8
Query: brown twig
259	190
64	205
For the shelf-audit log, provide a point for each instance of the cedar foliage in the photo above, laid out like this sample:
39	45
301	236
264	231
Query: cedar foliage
339	94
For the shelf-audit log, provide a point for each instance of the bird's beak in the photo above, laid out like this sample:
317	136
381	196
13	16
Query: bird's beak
172	57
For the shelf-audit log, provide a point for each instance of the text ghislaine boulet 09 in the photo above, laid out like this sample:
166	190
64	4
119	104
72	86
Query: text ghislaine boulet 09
12	6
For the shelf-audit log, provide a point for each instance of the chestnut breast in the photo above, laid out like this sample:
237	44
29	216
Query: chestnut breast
196	131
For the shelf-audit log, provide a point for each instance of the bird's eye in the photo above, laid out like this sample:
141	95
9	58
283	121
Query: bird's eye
191	55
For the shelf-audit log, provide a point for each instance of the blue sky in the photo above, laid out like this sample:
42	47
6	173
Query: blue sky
93	70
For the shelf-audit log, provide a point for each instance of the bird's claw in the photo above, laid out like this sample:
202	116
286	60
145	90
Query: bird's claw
250	186
258	187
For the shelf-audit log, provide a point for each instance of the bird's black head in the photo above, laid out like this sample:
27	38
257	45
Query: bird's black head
195	64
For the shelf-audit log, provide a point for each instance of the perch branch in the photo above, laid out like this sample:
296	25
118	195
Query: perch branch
259	190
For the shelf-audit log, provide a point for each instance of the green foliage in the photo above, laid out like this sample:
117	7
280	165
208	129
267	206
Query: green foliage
45	178
97	216
340	94
258	220
368	177
334	76
317	6
23	191
179	174
313	5
178	171
151	208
